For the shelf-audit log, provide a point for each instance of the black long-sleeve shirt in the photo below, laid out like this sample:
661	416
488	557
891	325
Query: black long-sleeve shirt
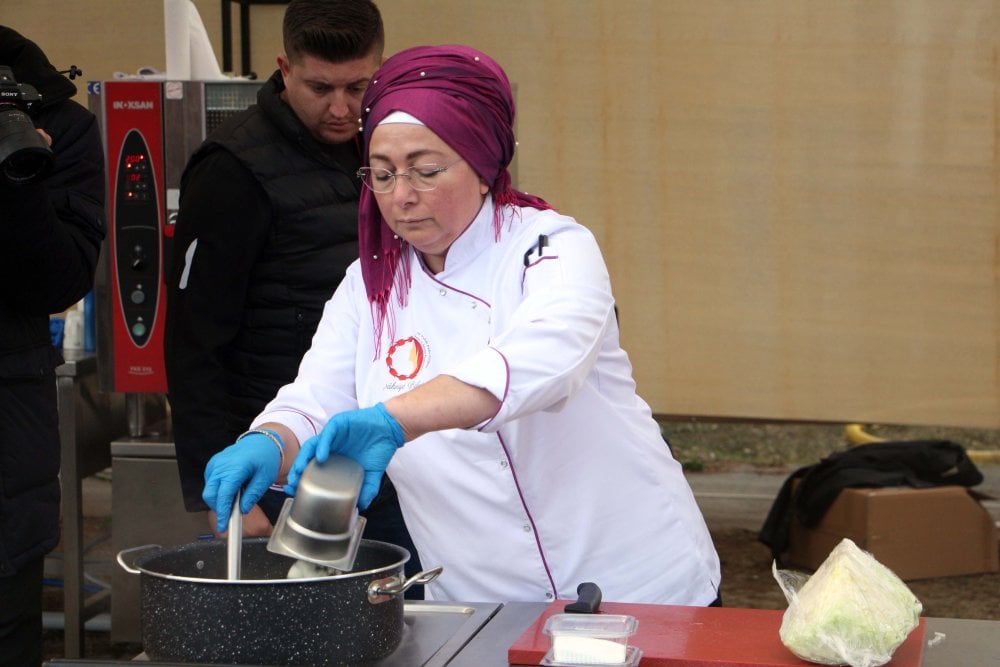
266	229
230	216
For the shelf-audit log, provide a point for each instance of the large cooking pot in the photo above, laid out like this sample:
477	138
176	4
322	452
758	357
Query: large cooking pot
190	612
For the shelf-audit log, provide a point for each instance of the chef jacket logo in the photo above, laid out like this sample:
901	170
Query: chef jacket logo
406	357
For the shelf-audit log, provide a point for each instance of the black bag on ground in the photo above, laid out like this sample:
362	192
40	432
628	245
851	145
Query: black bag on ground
916	463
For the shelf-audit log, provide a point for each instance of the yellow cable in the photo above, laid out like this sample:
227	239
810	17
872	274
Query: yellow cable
984	455
856	435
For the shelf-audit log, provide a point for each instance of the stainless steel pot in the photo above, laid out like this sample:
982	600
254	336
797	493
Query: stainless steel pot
190	612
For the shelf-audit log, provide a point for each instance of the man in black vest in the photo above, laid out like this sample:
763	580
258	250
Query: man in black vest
266	229
51	227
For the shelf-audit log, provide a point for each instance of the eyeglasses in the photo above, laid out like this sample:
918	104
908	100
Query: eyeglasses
421	177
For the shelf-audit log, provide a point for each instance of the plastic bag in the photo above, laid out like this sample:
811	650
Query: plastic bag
852	611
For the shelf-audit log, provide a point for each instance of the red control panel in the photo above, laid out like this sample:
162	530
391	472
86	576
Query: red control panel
134	132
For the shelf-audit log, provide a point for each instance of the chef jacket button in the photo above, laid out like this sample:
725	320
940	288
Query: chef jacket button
442	292
527	528
473	305
548	595
503	464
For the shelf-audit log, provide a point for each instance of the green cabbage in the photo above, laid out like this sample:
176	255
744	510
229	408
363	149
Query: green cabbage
852	611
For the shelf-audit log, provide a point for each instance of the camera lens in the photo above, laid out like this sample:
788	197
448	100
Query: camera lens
24	155
27	165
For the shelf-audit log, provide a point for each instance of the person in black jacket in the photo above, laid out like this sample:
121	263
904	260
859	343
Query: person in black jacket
268	224
50	236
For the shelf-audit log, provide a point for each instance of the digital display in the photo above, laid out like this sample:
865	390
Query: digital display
134	160
133	178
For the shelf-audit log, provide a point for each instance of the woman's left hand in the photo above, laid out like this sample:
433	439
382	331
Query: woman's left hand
370	436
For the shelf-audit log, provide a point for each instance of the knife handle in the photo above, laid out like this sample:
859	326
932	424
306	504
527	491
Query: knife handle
588	599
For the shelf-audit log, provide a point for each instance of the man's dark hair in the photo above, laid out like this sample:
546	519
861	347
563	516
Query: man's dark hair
333	30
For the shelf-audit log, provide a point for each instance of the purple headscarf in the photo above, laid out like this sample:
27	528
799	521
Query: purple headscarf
464	97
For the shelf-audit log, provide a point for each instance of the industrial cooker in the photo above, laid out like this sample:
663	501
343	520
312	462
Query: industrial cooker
433	635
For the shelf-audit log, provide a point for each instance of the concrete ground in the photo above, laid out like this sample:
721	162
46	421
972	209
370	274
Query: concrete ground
738	498
742	498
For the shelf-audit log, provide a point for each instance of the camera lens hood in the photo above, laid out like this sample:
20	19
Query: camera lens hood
24	155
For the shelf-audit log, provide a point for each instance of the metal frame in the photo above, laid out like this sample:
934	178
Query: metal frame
227	33
88	419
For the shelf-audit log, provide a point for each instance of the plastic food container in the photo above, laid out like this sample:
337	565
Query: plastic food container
582	640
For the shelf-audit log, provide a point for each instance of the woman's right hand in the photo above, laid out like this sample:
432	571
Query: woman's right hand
253	463
370	436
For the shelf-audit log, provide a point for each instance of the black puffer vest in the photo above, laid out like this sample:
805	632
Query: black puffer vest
313	192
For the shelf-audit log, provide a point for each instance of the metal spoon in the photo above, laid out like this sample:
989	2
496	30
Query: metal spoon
234	541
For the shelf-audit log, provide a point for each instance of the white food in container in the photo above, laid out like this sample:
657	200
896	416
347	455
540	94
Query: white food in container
588	651
591	639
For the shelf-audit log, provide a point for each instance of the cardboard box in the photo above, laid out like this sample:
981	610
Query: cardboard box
917	533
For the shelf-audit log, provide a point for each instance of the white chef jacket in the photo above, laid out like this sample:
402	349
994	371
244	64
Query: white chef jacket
571	480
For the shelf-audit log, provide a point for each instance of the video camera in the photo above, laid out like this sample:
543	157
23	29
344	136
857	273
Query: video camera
24	155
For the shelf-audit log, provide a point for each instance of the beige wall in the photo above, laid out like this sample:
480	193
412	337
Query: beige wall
797	200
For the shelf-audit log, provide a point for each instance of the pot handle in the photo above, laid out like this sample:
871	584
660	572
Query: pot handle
127	566
383	589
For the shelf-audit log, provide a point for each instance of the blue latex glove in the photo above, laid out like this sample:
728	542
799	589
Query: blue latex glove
369	436
252	462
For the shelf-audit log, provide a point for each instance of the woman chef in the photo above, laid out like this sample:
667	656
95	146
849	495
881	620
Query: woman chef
478	327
